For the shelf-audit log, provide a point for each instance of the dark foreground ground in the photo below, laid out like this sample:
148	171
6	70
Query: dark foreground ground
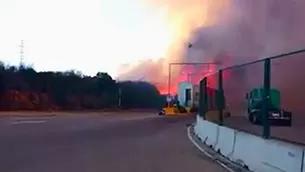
135	142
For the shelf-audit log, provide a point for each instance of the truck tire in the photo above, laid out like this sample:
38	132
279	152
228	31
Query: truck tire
255	119
288	123
161	113
250	118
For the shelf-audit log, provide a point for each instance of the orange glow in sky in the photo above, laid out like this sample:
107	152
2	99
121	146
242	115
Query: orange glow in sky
176	22
102	35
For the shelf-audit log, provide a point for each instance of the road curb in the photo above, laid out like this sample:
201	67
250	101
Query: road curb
212	154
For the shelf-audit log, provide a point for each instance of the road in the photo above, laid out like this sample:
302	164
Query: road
117	143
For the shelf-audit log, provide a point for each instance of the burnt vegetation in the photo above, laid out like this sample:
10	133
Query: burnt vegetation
23	88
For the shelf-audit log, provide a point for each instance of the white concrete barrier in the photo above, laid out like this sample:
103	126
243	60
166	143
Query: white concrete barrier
267	155
226	141
207	131
303	165
248	150
281	155
260	155
199	128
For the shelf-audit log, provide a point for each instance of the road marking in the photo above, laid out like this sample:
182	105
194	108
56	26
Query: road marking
205	152
28	122
30	118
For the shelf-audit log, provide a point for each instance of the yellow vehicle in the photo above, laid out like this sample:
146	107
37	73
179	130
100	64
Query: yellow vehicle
174	109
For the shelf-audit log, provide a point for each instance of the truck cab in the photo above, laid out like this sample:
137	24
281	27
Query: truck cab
275	113
255	96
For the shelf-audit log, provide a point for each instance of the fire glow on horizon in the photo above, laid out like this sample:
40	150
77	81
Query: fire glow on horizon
182	18
228	31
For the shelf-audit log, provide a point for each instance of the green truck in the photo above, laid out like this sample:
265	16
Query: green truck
276	115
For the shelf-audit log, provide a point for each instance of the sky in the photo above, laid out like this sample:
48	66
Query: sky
85	35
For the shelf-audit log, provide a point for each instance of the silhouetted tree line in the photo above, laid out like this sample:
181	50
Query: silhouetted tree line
22	88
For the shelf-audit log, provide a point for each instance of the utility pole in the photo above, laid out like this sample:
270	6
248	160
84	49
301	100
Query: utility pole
21	63
120	97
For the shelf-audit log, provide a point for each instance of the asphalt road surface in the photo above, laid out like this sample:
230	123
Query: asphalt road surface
135	143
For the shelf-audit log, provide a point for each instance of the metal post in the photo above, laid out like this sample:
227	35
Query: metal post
205	97
220	98
201	90
188	77
169	78
266	99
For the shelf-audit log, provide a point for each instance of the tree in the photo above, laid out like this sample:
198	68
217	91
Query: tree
2	83
25	88
140	95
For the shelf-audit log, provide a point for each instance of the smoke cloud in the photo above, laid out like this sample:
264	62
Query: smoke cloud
227	31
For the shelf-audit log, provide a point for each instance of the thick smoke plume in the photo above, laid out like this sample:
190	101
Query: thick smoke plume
226	31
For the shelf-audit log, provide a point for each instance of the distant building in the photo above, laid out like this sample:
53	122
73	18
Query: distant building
188	94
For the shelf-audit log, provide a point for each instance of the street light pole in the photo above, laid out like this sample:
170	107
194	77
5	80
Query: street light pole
190	45
190	64
192	74
169	78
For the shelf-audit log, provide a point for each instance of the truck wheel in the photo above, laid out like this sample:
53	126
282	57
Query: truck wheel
254	119
288	123
251	119
162	112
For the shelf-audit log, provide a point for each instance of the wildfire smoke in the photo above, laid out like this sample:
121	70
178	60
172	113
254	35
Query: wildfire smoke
226	31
